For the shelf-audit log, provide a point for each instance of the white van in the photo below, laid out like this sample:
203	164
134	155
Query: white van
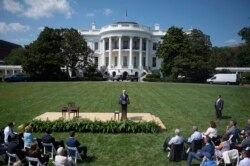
225	78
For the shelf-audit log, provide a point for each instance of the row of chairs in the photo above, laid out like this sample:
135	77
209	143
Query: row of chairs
48	149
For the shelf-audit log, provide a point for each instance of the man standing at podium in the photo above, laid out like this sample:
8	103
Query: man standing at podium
124	101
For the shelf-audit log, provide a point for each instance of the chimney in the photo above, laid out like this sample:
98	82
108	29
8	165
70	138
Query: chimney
93	25
157	27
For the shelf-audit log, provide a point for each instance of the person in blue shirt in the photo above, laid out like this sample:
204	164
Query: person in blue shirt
207	160
72	142
208	147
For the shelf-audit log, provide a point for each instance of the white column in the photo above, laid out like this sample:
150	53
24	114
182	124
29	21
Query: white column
110	52
5	71
103	52
120	53
130	52
140	54
13	71
147	52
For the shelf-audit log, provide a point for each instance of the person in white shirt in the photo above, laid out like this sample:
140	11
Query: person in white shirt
212	131
8	132
246	157
61	160
195	136
177	139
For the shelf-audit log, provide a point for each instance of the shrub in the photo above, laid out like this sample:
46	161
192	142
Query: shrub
95	126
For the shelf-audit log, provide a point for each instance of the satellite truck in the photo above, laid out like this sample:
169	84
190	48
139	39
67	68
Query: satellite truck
224	78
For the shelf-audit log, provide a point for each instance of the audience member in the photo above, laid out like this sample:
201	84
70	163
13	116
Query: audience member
177	139
28	137
246	157
35	153
72	142
207	160
200	153
212	131
224	146
48	138
2	135
14	148
195	136
246	128
246	142
8	132
233	130
61	160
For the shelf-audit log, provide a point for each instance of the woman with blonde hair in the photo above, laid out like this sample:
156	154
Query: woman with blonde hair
28	137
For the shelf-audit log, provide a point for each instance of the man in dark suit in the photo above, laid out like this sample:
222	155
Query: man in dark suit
219	103
47	138
15	148
72	142
124	101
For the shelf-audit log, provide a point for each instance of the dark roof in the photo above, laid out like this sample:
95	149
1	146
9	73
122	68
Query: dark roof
6	47
125	22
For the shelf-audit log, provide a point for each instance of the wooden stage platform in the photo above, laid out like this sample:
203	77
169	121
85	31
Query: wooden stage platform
102	117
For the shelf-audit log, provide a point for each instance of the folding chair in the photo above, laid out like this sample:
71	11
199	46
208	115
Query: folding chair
231	156
177	152
12	158
34	161
50	149
73	153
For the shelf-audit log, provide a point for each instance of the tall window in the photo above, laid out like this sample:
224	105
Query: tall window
125	61
143	61
115	46
115	60
135	65
96	60
107	61
106	45
125	44
154	46
96	45
144	45
154	62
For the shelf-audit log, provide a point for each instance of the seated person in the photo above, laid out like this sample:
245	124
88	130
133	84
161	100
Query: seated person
224	146
246	142
195	136
8	132
174	140
28	137
207	160
233	130
212	131
60	159
48	138
3	148
208	147
14	148
35	153
246	128
246	157
72	142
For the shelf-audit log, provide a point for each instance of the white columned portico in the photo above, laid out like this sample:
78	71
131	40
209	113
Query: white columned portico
147	52
140	54
130	52
120	53
110	52
103	54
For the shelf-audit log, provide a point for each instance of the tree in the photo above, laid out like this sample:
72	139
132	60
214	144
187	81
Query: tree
173	48
74	49
43	60
15	57
200	49
245	34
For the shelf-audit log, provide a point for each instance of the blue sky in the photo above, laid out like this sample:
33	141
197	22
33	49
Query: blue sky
22	20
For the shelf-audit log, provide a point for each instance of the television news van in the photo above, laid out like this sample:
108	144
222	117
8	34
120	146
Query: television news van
223	78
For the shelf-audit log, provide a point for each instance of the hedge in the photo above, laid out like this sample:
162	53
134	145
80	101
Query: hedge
96	126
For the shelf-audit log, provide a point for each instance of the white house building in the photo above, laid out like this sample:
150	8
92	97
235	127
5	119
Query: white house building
124	48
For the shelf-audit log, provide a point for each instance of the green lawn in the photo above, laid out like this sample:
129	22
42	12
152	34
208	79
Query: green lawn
177	105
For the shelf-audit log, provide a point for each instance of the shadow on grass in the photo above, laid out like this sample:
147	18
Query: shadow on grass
226	117
90	159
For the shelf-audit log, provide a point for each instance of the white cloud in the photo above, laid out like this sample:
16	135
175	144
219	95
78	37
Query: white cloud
12	6
90	14
47	8
230	41
107	12
13	27
40	28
